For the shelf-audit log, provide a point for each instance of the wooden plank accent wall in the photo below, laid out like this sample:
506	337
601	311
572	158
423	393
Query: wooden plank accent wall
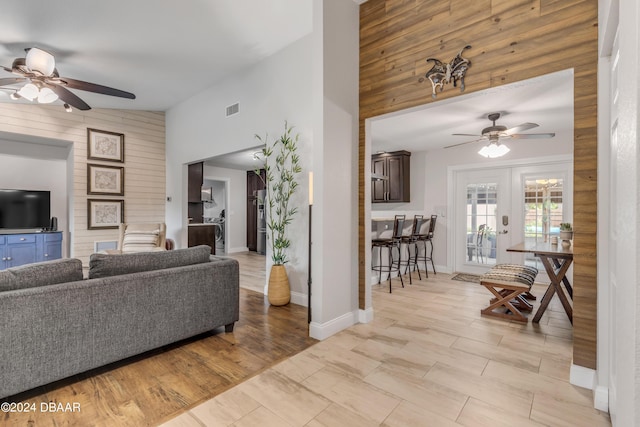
144	161
511	40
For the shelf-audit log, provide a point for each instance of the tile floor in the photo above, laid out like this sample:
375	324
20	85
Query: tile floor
427	359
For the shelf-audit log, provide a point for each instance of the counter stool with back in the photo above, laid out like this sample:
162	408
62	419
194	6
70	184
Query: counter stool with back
390	243
422	237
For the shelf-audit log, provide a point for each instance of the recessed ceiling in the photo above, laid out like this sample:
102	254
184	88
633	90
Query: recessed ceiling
545	100
164	51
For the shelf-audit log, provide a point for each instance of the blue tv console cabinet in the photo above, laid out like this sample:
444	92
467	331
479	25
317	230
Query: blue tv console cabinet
25	248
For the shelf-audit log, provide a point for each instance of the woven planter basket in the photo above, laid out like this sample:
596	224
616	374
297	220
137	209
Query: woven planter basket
279	292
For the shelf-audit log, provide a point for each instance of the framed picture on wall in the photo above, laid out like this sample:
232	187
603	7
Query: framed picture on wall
102	214
106	180
105	145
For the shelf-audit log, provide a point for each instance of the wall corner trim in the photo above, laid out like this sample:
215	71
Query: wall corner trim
601	398
365	316
582	377
321	331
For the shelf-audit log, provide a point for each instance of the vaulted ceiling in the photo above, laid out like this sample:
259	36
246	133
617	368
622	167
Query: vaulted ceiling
164	51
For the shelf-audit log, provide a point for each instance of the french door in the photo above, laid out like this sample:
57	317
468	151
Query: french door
500	207
482	207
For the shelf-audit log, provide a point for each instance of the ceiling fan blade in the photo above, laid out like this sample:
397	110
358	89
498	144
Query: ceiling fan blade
464	134
11	80
521	128
69	97
463	143
532	135
92	87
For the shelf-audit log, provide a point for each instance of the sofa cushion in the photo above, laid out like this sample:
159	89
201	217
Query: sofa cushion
104	265
41	274
140	241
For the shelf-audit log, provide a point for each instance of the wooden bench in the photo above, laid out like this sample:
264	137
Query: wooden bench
510	284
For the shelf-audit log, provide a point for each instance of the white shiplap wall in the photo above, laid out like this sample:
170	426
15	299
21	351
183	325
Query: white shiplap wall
144	161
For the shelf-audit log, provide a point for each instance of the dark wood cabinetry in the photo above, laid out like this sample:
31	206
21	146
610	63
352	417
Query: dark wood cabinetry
391	177
194	187
202	234
254	183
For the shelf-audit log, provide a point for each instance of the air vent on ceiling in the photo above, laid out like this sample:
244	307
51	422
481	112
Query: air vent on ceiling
233	109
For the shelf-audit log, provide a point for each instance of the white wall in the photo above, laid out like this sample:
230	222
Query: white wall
236	212
275	90
435	183
48	173
219	195
429	186
144	147
335	161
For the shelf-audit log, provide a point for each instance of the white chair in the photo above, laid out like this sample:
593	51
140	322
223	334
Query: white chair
143	237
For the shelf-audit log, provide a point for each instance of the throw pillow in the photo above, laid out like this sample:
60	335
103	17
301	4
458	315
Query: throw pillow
140	241
104	265
41	274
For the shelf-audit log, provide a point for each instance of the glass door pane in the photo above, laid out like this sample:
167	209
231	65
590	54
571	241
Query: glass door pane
481	219
543	212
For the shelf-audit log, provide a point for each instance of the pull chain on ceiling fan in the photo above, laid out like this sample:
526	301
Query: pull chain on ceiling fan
493	134
44	84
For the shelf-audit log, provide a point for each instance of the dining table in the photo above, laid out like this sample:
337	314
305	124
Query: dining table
556	259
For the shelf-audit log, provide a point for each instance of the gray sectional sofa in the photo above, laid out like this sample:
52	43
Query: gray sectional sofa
54	323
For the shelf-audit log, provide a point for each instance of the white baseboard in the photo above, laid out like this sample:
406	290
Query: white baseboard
582	377
325	330
443	269
601	398
365	316
300	299
236	250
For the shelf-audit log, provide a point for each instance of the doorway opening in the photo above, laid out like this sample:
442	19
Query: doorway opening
426	130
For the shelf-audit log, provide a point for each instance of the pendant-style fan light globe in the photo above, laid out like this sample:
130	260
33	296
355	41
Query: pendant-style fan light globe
41	82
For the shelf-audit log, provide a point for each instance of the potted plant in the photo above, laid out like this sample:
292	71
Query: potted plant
566	233
280	182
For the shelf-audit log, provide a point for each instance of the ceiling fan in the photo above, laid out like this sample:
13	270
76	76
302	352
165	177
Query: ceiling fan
493	134
43	83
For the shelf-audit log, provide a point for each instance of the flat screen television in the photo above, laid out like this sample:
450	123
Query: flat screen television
25	209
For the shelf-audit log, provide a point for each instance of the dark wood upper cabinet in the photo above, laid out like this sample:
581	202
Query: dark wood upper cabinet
194	188
391	180
196	177
254	183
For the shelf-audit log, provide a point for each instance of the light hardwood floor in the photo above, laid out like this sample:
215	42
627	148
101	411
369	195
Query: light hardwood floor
252	270
427	359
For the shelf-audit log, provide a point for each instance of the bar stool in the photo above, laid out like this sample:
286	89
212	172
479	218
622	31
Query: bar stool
412	239
424	238
390	243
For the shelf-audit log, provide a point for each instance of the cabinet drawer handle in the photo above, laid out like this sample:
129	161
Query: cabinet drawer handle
9	258
4	258
22	239
46	255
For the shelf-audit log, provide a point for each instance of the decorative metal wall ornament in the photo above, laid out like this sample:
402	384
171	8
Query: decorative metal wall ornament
442	73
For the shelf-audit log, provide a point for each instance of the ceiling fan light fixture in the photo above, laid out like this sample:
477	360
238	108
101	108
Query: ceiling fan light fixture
47	96
494	150
40	61
29	91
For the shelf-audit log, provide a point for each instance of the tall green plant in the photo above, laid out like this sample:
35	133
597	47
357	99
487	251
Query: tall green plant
281	184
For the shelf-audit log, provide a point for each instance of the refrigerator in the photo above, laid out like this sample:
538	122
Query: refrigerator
261	244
